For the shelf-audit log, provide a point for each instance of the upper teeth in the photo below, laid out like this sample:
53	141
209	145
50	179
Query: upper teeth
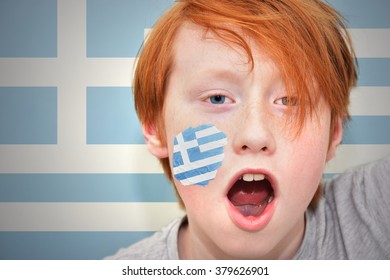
252	177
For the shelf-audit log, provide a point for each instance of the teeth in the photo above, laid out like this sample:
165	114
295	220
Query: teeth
248	177
252	177
259	177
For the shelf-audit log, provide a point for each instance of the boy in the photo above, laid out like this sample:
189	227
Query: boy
243	102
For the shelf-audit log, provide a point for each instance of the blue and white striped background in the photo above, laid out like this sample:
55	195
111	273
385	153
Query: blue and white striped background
76	181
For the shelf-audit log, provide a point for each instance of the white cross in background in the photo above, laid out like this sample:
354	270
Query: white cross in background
72	72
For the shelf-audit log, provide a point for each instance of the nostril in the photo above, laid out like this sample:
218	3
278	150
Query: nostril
245	147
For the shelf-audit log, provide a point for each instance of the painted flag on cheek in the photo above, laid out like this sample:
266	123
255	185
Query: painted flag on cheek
198	153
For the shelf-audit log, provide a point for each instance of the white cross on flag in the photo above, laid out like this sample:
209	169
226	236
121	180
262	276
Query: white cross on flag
197	154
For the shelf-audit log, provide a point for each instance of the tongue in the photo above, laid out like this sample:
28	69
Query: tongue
252	210
250	198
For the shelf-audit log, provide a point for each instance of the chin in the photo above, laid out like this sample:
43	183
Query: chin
246	248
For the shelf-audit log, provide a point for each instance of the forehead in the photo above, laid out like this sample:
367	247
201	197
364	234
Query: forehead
199	51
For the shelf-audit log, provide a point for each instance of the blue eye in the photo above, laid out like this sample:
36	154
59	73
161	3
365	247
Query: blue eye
287	101
217	99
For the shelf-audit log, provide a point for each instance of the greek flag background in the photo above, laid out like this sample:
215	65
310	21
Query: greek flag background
76	180
197	154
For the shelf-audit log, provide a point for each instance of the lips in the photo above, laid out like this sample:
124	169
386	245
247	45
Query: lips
251	200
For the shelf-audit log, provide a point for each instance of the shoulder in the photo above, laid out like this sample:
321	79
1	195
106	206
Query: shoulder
356	210
352	220
371	181
377	172
161	245
364	189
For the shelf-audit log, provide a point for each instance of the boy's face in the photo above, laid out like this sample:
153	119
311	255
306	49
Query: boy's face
212	83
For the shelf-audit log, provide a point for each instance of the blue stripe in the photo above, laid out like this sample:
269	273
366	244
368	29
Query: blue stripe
111	118
202	127
194	154
28	28
364	13
189	134
116	28
211	138
28	115
65	245
367	130
374	71
203	183
198	171
85	188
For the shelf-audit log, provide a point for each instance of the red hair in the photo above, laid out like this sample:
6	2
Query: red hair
307	40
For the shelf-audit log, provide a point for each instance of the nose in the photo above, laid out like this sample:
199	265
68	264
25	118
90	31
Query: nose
254	134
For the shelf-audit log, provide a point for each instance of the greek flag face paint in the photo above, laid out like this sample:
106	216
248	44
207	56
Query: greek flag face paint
197	154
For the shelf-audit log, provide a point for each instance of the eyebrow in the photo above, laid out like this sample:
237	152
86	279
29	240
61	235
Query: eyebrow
222	73
218	78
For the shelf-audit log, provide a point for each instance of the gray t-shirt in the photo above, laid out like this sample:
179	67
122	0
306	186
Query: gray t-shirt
352	221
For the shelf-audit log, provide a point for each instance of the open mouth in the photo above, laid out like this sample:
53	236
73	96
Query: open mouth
251	194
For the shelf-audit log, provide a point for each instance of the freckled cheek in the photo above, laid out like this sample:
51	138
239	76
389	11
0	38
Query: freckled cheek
195	198
311	152
188	194
308	152
301	179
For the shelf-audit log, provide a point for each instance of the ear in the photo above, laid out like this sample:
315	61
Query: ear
155	145
335	139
